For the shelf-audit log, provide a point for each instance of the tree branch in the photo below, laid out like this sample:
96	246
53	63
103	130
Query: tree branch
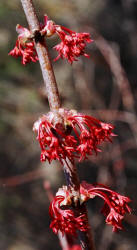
54	102
44	59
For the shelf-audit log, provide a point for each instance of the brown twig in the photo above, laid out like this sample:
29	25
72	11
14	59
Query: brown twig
73	182
22	178
117	70
54	102
44	59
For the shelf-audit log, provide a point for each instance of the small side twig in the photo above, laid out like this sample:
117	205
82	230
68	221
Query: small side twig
117	70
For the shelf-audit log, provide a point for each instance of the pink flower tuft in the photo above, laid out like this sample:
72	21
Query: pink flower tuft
115	206
72	44
23	47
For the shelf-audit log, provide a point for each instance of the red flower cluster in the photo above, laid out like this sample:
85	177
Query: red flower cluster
115	206
24	46
54	143
65	220
88	132
72	44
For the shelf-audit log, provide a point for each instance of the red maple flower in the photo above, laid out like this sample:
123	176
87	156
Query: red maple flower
24	47
72	44
71	47
54	143
115	206
88	134
64	220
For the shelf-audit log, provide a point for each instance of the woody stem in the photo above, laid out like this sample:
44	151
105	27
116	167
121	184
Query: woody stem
44	59
70	171
72	179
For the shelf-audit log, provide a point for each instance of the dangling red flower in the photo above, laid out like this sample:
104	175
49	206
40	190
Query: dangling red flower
24	46
72	44
64	220
54	143
115	206
88	134
71	47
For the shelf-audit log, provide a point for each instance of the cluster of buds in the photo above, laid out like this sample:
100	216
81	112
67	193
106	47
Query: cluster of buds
72	44
81	136
65	221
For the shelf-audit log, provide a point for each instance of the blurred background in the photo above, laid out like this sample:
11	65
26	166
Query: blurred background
104	86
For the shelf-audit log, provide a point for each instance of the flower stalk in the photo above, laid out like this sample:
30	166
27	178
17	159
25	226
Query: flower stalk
54	103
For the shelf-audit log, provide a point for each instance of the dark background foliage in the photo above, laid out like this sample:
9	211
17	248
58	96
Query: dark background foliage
96	86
